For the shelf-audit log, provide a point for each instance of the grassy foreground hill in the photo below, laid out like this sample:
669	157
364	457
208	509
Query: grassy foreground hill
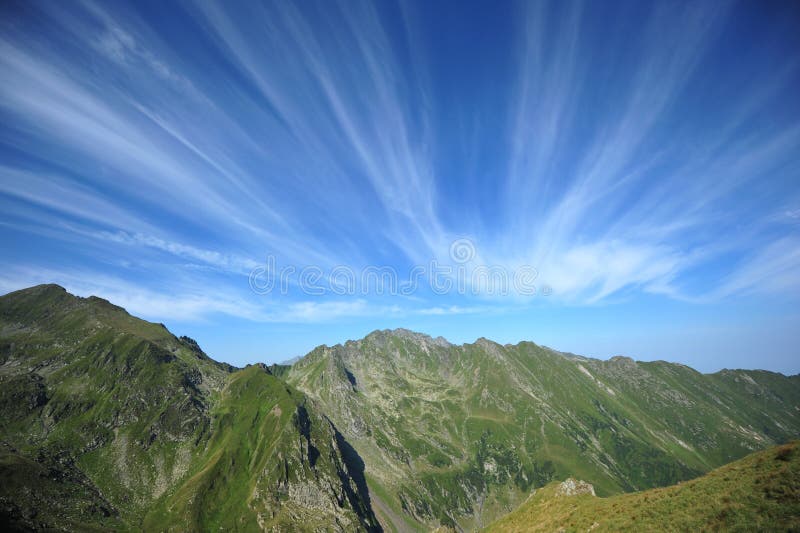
108	421
758	493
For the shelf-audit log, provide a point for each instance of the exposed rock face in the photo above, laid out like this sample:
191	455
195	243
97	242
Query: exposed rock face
574	487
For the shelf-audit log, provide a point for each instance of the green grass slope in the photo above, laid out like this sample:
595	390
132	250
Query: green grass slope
271	462
147	427
48	492
758	493
122	398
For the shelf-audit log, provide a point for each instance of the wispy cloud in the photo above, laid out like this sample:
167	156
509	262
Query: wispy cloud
774	269
226	262
614	162
187	303
455	310
183	304
632	204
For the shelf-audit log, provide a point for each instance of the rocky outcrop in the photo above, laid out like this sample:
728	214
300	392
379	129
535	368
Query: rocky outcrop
574	487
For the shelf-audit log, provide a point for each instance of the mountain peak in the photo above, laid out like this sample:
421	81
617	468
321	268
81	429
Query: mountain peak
622	360
407	334
51	308
483	341
38	291
574	487
46	287
39	300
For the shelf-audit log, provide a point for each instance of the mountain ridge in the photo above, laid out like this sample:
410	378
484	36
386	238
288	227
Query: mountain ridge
618	358
400	332
398	431
421	375
145	429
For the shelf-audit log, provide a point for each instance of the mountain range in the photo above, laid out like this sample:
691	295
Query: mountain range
109	422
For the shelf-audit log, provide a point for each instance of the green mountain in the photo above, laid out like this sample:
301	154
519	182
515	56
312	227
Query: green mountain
124	426
459	435
758	493
108	422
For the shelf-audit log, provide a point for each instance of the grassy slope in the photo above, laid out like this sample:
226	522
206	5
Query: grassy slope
121	397
760	492
138	416
46	492
461	434
265	444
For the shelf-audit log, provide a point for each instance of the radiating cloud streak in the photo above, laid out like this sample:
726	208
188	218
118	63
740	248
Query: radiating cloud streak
630	157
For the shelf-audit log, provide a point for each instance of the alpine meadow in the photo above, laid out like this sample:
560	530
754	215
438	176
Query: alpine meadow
399	266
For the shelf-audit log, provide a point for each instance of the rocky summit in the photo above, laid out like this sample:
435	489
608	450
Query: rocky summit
109	422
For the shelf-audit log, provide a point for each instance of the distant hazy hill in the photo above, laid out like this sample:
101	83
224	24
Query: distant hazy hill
758	493
111	422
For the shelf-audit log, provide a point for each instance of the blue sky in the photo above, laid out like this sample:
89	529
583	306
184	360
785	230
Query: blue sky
639	161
